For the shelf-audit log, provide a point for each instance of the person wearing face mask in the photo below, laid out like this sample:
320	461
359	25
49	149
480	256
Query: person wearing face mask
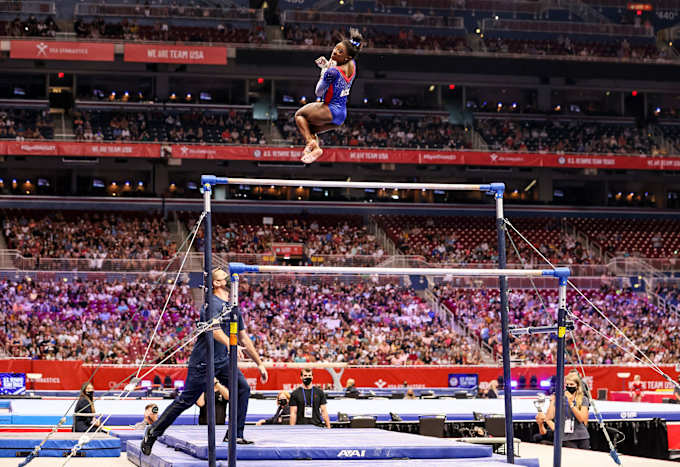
308	403
282	411
85	405
575	408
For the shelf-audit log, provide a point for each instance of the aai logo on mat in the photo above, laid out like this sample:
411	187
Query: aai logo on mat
352	453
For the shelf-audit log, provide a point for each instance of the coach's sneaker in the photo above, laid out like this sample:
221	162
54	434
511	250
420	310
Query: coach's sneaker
244	441
147	441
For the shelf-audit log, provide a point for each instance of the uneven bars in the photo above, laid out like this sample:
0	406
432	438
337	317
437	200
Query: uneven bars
488	187
241	268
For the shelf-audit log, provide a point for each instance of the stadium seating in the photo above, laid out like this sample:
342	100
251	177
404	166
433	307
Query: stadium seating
647	238
93	235
565	136
229	126
649	327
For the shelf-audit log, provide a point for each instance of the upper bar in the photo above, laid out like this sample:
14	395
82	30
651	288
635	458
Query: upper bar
488	187
239	268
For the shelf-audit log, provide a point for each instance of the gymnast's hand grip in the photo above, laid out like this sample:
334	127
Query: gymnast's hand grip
321	62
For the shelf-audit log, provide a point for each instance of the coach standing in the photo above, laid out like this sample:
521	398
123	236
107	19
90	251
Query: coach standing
195	385
308	403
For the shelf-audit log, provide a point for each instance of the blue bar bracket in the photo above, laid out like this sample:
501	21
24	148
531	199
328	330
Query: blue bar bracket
213	180
240	268
497	189
561	273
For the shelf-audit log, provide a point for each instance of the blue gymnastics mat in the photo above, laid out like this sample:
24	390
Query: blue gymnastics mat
59	444
310	442
127	435
164	456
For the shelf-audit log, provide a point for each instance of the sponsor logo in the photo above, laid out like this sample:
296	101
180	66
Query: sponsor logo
494	156
380	383
42	49
370	156
257	153
352	453
629	414
453	382
38	147
561	160
55	380
344	93
441	157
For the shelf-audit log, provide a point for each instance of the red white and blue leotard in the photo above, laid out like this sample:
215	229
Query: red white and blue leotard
333	87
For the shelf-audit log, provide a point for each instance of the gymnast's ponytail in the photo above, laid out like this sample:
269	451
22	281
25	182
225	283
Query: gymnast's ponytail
354	42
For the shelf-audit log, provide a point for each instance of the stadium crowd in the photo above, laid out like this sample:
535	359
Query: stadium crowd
565	45
248	234
131	30
31	26
88	235
469	240
648	326
232	127
565	136
362	323
366	323
21	124
361	130
92	321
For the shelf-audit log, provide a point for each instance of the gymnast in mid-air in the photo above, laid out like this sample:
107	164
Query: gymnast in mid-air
335	82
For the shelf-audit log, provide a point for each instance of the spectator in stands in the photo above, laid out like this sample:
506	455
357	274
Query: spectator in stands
150	416
308	403
85	406
282	415
410	394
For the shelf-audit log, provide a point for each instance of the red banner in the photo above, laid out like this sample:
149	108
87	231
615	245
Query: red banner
71	374
175	54
287	249
54	50
341	155
83	149
415	156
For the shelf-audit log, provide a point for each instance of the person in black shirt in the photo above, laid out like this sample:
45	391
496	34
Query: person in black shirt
221	400
308	403
194	384
282	412
85	405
